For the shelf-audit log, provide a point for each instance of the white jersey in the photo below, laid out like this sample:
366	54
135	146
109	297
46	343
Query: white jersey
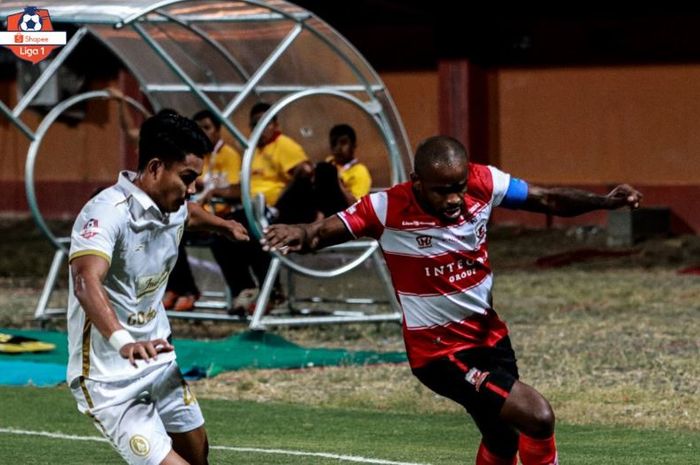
123	225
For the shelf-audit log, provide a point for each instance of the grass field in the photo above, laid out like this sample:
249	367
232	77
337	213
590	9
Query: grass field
612	342
276	433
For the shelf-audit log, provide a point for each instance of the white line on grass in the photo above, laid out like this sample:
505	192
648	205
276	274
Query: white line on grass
347	458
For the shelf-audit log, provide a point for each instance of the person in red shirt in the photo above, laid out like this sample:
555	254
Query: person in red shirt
432	232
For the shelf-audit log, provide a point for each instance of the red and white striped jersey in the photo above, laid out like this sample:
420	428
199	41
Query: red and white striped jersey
440	271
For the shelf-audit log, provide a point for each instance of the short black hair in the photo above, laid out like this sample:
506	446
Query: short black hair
167	111
261	107
438	151
171	137
342	130
203	114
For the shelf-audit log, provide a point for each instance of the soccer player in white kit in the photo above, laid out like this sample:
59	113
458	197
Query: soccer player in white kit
122	369
432	231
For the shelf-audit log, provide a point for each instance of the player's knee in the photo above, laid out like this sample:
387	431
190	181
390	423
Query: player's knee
542	420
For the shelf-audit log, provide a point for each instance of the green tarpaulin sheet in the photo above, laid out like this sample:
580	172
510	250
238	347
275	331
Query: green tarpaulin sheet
196	357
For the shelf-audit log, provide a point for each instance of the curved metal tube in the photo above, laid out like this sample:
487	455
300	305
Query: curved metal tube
34	150
247	201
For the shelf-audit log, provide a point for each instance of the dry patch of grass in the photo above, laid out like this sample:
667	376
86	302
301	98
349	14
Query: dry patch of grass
383	387
618	346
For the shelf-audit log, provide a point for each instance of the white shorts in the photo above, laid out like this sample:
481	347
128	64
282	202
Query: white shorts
137	414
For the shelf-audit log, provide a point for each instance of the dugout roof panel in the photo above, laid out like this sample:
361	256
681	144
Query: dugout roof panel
224	56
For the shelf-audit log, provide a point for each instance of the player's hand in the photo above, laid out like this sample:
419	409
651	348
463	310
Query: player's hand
235	231
624	195
145	350
283	238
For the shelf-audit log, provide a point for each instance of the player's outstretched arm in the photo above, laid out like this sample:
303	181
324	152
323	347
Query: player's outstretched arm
88	273
287	238
565	201
201	220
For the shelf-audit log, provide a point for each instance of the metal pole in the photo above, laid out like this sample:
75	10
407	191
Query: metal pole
235	88
264	296
56	263
207	38
193	87
385	277
264	68
5	110
49	71
246	174
33	151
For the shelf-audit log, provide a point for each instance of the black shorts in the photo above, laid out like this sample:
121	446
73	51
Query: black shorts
479	379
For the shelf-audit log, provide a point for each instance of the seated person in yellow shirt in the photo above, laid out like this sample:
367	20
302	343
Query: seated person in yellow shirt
281	172
341	180
220	176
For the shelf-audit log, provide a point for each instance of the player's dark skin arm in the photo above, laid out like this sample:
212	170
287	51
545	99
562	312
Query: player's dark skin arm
302	238
525	408
565	201
88	272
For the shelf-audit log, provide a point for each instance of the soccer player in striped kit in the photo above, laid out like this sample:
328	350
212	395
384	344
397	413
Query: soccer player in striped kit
432	231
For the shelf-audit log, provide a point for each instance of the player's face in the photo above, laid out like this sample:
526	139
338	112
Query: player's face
209	129
343	149
176	182
268	133
441	191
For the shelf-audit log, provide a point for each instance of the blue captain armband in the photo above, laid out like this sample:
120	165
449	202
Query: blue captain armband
516	195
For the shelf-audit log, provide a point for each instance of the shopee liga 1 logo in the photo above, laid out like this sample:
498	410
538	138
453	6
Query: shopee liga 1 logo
30	34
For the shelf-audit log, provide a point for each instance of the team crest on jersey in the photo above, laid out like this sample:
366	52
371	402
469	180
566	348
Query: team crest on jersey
424	242
481	230
139	445
90	229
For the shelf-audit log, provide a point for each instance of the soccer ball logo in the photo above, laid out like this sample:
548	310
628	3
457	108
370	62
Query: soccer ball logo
31	21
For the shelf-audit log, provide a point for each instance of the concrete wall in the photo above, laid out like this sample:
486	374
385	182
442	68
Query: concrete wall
599	126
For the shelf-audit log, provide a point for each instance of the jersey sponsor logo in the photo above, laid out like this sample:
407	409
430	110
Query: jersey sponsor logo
451	237
417	223
476	377
90	229
139	445
424	242
148	284
457	266
141	318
